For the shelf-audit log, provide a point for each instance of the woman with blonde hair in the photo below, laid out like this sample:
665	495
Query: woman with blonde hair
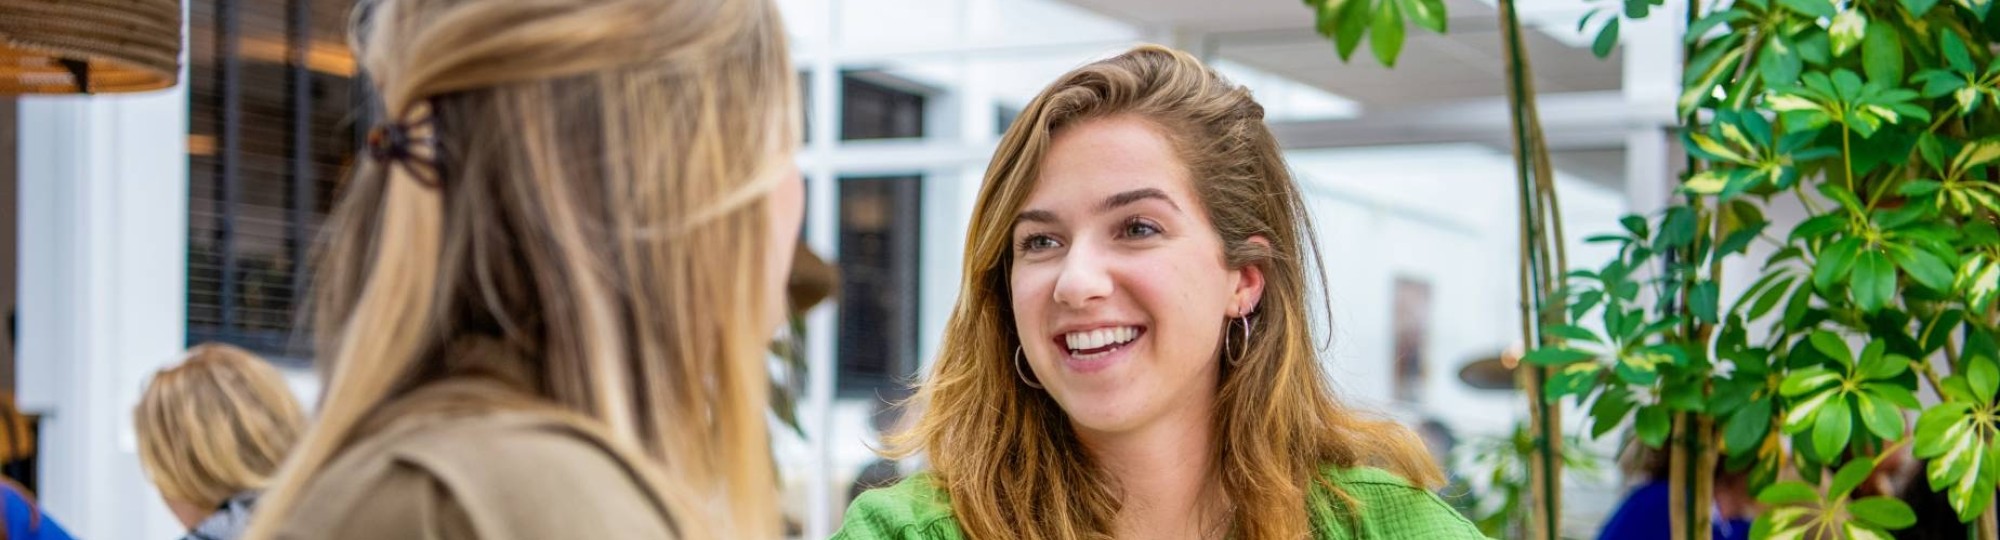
544	304
1131	355
213	430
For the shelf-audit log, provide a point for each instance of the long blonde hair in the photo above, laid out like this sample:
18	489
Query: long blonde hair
1005	452
596	200
218	423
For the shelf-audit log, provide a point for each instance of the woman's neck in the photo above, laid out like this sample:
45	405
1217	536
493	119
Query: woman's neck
1167	477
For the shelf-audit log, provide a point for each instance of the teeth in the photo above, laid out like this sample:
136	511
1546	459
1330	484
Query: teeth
1099	338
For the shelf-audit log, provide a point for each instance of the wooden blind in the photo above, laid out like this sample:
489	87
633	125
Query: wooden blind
271	129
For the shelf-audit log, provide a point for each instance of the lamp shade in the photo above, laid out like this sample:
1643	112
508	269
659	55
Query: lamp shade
88	46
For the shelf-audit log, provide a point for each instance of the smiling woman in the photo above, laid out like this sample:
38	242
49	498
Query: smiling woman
1130	356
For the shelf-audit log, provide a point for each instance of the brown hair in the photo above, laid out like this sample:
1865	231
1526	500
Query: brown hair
218	423
602	170
1006	453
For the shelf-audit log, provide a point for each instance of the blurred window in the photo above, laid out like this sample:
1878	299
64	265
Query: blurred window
270	131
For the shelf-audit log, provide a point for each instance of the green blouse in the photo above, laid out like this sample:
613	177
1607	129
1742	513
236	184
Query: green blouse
1392	508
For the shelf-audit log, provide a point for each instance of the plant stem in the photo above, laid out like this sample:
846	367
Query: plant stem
1847	156
1800	190
1930	372
1987	525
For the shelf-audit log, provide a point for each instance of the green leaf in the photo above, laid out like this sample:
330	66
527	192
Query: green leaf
1923	266
1703	299
1797	307
1852	474
1918	187
1856	530
1847	86
1847	29
1981	376
1976	154
1708	147
1884	512
1894	393
1918	7
1885	420
1770	297
1805	411
1684	398
1709	182
1789	492
1607	38
1706	71
1352	18
1677	229
1573	379
1954	51
1746	429
1577	333
1840	194
1385	36
1833	427
1875	365
1817	226
1882	53
1700	28
1740	238
1973	490
1780	63
1982	281
1584	302
1807	380
1553	356
1653	424
1937	428
1608	411
1831	345
1810	8
1813	47
1874	281
1938	329
1885	366
1635	225
1428	14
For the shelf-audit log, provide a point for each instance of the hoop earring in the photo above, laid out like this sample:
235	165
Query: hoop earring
1237	360
1023	374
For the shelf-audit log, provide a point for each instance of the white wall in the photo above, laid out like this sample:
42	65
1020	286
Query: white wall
103	243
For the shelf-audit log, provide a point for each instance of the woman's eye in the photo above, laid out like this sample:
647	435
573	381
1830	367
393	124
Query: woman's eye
1140	229
1037	242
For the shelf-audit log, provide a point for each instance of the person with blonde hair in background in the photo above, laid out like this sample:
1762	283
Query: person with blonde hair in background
213	430
1131	355
545	300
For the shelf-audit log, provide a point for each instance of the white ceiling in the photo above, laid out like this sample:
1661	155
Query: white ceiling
1448	88
1277	36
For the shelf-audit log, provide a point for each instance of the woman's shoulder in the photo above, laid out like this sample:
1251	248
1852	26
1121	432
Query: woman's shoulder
488	475
1386	505
917	508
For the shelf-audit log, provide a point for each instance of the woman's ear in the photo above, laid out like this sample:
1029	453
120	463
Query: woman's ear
1249	283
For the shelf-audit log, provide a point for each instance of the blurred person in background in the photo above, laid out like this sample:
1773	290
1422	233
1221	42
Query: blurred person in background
1131	355
213	429
20	517
1644	512
547	292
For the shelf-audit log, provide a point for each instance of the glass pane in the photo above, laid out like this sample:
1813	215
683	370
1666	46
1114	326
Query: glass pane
878	283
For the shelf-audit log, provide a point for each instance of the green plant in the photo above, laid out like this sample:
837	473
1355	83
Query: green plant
1878	117
1543	262
1502	508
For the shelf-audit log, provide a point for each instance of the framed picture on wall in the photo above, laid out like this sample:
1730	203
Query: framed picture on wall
1411	325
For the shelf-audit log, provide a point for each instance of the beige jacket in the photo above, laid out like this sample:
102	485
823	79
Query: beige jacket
464	472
